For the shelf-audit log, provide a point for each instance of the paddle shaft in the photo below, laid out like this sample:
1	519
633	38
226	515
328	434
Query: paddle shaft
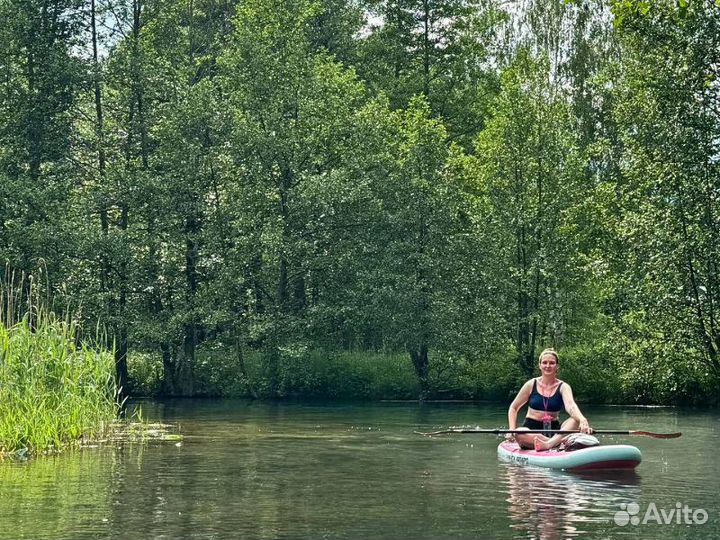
556	432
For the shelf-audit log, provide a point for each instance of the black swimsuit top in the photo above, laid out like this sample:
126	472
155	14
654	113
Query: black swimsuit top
539	402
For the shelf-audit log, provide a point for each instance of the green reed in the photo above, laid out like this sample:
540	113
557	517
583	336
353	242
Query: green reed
56	388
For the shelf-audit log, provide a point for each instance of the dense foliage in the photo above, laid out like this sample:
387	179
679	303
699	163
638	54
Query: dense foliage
270	197
56	386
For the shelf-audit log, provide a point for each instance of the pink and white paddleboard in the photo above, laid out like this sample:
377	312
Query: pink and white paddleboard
611	456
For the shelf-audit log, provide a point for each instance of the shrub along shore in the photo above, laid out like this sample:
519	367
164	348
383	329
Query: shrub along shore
56	389
374	376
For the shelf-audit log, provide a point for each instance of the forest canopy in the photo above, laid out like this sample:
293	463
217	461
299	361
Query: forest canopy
266	191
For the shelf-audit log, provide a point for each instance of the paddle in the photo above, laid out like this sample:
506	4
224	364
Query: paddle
554	432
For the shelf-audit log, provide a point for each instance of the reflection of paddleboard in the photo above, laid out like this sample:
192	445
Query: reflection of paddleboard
611	456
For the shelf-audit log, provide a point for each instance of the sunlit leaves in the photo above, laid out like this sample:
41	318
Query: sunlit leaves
669	198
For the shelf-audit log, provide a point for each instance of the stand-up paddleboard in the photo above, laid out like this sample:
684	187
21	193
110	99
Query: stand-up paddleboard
611	456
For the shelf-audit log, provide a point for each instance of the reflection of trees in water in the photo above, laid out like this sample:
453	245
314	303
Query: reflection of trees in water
54	496
549	505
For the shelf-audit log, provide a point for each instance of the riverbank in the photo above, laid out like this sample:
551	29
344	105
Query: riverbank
56	390
369	376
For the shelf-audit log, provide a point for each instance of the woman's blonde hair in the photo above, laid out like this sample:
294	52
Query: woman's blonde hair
549	351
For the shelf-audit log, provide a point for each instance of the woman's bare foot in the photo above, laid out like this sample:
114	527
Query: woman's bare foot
540	444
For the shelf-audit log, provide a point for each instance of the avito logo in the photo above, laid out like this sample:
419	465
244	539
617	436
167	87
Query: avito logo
682	514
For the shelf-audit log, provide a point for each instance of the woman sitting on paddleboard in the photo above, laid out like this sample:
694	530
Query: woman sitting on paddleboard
546	396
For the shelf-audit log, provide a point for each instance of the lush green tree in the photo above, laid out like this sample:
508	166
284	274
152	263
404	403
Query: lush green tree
112	118
152	196
436	48
667	189
402	275
40	81
430	261
401	266
529	166
334	29
292	108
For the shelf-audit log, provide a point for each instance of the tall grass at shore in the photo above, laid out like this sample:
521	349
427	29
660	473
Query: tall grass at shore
56	389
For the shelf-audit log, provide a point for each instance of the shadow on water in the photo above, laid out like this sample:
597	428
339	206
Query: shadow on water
548	504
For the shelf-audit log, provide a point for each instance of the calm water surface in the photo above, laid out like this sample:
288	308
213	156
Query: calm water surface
259	470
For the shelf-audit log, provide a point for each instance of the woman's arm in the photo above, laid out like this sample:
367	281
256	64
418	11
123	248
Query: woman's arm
520	400
573	410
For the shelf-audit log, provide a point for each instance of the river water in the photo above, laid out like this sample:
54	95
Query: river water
358	471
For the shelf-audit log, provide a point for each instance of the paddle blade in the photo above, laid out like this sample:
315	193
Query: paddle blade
442	432
462	430
656	435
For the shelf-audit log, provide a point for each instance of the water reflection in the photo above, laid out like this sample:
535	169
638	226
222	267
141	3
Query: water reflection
549	505
270	471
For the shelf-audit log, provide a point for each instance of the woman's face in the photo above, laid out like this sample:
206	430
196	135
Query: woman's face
548	365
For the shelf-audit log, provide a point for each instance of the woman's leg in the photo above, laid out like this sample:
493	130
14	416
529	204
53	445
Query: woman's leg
527	441
543	443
